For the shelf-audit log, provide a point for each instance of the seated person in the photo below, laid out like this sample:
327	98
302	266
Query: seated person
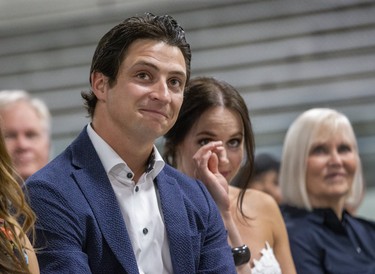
208	141
320	174
266	175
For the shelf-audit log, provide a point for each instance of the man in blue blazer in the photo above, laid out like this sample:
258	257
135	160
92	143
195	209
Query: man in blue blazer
108	203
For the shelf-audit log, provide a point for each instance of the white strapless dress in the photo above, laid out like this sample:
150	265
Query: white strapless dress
267	264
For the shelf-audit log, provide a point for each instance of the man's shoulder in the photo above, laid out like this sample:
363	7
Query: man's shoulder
62	163
56	168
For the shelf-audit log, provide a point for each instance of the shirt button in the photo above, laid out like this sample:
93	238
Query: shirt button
129	175
145	231
359	249
136	188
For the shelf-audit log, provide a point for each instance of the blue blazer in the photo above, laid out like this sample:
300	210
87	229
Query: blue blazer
80	228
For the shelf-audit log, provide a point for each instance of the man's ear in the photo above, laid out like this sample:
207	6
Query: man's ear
99	85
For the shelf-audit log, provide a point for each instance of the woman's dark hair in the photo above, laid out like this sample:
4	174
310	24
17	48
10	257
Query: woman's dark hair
201	94
112	47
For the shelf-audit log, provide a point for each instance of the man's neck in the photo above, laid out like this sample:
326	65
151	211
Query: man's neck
134	151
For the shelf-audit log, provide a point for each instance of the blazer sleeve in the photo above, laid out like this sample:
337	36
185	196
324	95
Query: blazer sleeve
57	222
216	254
197	236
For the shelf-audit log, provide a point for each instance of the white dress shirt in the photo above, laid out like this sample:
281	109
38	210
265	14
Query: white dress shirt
140	207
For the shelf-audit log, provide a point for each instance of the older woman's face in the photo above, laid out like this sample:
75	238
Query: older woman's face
331	164
215	124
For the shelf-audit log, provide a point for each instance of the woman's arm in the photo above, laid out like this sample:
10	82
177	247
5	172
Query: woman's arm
235	239
207	171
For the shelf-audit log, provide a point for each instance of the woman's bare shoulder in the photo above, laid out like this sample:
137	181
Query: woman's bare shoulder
259	199
255	202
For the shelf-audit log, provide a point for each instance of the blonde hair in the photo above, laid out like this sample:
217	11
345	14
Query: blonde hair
297	144
13	207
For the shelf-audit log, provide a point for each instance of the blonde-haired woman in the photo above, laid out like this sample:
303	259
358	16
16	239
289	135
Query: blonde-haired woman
16	252
320	175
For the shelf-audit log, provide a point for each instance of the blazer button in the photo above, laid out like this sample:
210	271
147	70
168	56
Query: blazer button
145	231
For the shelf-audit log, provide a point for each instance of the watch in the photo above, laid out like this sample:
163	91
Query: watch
241	255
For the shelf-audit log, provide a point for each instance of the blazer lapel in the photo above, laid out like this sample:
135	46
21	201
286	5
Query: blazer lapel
95	185
177	224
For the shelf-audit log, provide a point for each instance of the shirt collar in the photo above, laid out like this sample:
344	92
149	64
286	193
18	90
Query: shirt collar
155	163
328	217
322	216
110	158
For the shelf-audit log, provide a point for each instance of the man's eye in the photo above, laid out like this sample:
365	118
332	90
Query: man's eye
143	75
176	85
10	136
32	135
175	82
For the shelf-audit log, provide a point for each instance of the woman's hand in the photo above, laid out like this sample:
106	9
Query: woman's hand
206	161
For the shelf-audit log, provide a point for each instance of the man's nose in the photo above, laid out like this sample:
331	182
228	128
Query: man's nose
21	141
161	91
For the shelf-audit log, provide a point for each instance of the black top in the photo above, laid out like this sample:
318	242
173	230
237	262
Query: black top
321	243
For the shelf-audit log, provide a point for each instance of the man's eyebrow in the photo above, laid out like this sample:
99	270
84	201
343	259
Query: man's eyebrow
145	63
149	64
